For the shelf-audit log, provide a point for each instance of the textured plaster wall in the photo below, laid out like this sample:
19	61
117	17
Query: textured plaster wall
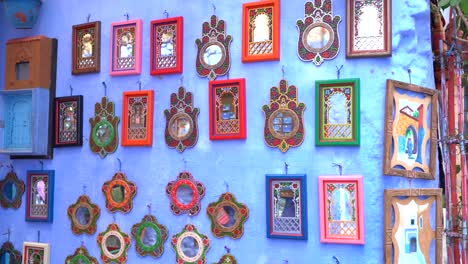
241	163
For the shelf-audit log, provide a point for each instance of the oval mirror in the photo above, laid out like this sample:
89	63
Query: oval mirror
118	193
113	245
184	194
80	260
213	55
284	123
226	216
149	236
318	37
180	126
190	247
103	133
6	258
83	215
10	190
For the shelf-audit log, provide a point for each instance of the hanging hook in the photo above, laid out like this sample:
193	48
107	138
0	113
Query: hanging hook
42	164
340	168
338	71
88	17
120	164
149	208
285	261
286	166
336	260
226	185
126	15
113	217
409	75
82	243
139	85
84	189
181	81
214	8
8	232
71	90
228	250
12	169
38	236
166	13
185	164
105	88
282	71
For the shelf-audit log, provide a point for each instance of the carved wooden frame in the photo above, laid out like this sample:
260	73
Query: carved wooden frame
134	25
61	104
146	100
46	201
158	27
94	211
130	189
93	62
32	248
15	255
390	196
81	253
125	242
198	192
202	240
390	161
155	250
16	201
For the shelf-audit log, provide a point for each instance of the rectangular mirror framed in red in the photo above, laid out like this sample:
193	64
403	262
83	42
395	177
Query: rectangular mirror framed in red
125	48
137	118
86	48
227	109
68	121
167	46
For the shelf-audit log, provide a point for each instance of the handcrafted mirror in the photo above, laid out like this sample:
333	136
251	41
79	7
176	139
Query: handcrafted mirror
185	194
137	118
149	237
125	48
337	112
40	196
190	246
9	255
341	209
213	55
410	131
227	216
11	191
83	216
286	206
261	31
227	109
36	253
69	121
227	259
86	48
81	256
284	125
318	32
104	137
113	245
368	28
119	193
181	121
413	224
167	45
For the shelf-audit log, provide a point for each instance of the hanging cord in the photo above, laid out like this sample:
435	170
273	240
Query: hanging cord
338	71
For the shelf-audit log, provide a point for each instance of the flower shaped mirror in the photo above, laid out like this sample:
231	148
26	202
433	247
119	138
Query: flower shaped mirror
190	245
185	194
149	237
119	193
113	245
11	190
83	216
81	256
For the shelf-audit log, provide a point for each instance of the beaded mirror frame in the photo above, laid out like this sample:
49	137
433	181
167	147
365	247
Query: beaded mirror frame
86	48
11	191
120	240
284	125
125	48
83	208
40	195
139	233
213	50
199	240
227	216
137	118
194	191
319	25
119	193
14	255
68	121
227	259
181	121
103	135
81	255
167	46
36	253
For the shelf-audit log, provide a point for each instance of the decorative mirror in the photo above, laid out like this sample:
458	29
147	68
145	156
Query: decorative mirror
104	137
181	121
190	246
36	253
69	121
227	259
113	245
137	118
227	109
11	191
125	50
213	55
86	48
318	32
227	216
119	193
167	45
40	196
368	28
185	194
284	126
149	237
413	224
83	216
261	31
81	256
9	255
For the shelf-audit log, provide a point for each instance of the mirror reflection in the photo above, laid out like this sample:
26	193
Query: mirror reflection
35	259
228	110
69	121
226	216
9	190
6	258
83	215
184	194
213	54
283	123
261	28
118	193
318	37
113	244
180	127
40	195
148	236
104	133
81	260
190	247
87	46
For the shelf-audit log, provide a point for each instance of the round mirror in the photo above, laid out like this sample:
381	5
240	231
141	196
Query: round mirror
6	258
149	236
180	126
118	193
9	190
190	247
284	123
113	244
213	55
226	216
318	37
184	194
83	215
103	133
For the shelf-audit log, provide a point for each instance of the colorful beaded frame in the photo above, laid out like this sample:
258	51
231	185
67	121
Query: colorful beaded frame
202	240
155	250
93	215
119	180
125	242
104	137
81	255
198	192
227	259
14	202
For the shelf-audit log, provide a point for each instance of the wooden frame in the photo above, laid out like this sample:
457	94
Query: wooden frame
156	248
292	188
119	193
382	30
227	216
125	48
40	196
193	188
104	131
197	239
167	32
337	115
417	231
227	122
137	118
86	48
81	255
410	131
83	208
14	255
36	251
68	121
114	255
347	226
264	49
10	197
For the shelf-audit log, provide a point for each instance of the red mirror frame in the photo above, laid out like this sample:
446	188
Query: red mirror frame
198	192
137	129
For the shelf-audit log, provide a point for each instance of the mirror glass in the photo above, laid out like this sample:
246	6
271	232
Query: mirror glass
103	133
318	37
87	46
190	247
5	258
35	259
118	193
113	244
83	215
369	29
286	206
227	107
213	54
184	194
261	28
180	127
40	195
283	123
148	236
22	71
226	216
9	190
80	259
69	122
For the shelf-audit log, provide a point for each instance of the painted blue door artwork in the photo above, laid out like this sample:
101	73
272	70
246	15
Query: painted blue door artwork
18	122
287	216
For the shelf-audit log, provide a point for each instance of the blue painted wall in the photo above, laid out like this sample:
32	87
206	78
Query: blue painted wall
241	163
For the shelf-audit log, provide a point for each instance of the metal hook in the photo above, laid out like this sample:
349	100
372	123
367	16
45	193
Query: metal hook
214	8
126	15
228	250
12	169
185	164
166	13
340	167
336	260
409	74
88	17
226	185
120	164
105	88
38	236
286	166
71	90
149	207
282	71
84	189
181	81
338	71
139	85
8	233
42	164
